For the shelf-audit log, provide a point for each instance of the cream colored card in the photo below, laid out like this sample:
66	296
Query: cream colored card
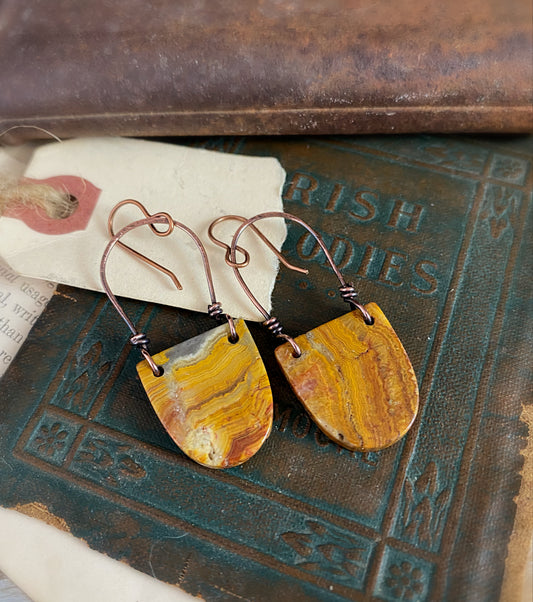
194	185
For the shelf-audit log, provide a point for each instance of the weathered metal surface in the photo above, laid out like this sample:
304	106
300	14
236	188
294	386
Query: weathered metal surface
323	67
438	232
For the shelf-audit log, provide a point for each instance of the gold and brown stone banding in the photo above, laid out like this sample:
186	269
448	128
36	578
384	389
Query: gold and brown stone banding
355	380
214	398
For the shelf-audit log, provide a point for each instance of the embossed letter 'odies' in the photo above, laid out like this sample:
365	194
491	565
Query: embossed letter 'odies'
352	374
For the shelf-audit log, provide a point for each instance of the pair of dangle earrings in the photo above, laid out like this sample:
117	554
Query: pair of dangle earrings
212	393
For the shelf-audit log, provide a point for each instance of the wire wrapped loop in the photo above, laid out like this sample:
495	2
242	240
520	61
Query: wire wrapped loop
215	310
236	264
296	351
141	341
156	370
169	224
273	325
233	336
349	295
276	329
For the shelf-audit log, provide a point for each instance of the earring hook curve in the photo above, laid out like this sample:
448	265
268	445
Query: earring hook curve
347	290
137	254
246	261
138	339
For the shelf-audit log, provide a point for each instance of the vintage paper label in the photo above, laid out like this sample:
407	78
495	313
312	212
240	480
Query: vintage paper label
194	185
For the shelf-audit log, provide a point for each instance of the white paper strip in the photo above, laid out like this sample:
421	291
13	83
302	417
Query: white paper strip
53	566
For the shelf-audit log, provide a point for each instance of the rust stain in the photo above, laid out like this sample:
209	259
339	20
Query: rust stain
41	512
229	593
60	294
184	570
518	566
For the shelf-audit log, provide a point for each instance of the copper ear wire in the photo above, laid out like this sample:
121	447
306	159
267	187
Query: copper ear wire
347	290
243	264
135	253
138	339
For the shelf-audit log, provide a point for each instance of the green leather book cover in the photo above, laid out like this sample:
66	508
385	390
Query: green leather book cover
437	231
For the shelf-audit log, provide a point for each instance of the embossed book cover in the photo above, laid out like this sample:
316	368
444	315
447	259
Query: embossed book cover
435	230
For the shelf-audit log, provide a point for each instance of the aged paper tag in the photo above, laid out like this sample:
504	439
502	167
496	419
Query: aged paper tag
194	185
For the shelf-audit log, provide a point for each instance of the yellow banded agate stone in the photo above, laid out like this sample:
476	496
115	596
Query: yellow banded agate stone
355	380
214	397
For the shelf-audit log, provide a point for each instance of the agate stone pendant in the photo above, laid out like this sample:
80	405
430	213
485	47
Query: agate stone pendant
214	397
355	380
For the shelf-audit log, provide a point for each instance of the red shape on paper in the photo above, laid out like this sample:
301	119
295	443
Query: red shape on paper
85	192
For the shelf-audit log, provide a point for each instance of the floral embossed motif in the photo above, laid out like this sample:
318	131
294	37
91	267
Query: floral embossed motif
405	581
325	551
83	379
50	439
426	501
510	169
453	156
500	203
111	462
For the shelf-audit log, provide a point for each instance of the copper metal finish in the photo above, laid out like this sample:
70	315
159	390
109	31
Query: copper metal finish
140	340
246	261
347	290
135	253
